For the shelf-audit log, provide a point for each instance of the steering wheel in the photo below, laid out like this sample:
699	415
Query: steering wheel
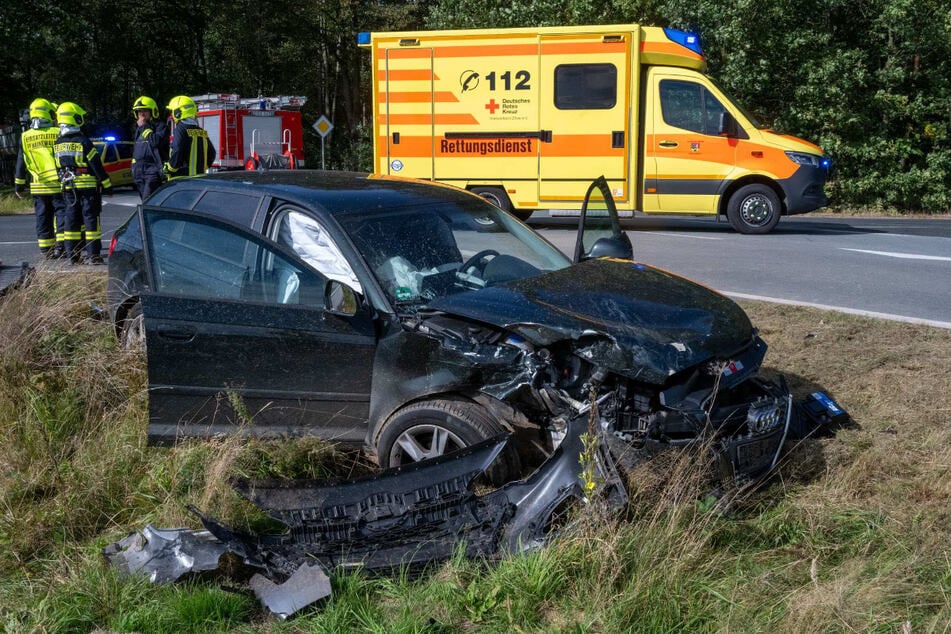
478	261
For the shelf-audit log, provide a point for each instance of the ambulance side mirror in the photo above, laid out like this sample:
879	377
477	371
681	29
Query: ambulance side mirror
728	125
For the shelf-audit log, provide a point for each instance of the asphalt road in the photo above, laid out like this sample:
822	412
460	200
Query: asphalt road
890	267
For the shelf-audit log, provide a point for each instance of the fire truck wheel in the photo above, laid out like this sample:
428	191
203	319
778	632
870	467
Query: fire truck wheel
754	208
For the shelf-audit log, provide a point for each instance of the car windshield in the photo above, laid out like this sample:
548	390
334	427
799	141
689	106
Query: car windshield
421	252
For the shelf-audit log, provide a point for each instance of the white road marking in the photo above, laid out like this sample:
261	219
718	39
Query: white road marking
843	309
28	242
683	235
903	256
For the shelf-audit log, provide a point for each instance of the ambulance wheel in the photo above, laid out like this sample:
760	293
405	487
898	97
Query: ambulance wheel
500	199
429	429
495	196
754	209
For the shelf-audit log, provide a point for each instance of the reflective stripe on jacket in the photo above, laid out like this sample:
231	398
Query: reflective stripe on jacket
192	152
35	159
78	162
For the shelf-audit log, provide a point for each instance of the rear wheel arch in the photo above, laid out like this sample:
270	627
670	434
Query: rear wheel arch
497	195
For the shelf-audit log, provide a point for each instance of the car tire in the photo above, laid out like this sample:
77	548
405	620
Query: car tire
431	428
754	209
132	334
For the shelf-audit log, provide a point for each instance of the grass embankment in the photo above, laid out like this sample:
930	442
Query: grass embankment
854	535
10	204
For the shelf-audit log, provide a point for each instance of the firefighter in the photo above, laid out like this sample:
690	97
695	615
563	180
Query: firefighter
151	146
35	159
80	175
192	152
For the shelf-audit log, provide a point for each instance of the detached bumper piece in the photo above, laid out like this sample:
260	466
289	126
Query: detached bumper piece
401	519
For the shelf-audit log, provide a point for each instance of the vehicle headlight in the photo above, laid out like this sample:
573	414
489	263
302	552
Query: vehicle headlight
803	158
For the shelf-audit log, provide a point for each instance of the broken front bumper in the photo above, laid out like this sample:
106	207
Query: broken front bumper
403	518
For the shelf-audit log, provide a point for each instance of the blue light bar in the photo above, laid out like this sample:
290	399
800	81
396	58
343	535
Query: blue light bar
109	138
363	37
686	39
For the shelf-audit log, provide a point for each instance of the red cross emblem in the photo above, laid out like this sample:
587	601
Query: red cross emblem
492	106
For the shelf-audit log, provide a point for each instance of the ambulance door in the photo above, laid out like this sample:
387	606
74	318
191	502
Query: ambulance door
686	160
406	112
584	116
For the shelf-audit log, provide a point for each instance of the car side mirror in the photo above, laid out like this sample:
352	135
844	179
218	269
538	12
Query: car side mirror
340	299
600	234
619	248
728	125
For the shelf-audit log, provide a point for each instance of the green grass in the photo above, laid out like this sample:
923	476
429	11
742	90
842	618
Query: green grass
10	204
854	534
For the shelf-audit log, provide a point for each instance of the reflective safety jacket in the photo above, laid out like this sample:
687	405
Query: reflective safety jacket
35	159
78	162
192	152
150	150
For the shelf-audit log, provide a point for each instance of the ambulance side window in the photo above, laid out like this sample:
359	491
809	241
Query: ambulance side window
690	106
585	86
107	153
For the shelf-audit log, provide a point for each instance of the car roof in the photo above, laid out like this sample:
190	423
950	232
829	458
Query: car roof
334	192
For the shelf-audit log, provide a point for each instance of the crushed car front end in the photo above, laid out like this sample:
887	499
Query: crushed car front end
673	364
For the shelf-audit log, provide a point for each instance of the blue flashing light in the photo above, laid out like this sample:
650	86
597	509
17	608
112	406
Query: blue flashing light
826	163
686	39
363	37
109	138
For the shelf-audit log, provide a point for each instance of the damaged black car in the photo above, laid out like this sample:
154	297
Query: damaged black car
414	319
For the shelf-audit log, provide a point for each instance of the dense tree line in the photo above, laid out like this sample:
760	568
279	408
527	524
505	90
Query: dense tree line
868	80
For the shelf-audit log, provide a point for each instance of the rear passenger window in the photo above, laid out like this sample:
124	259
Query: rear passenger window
235	207
585	86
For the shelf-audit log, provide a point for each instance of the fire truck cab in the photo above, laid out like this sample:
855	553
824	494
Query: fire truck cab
249	132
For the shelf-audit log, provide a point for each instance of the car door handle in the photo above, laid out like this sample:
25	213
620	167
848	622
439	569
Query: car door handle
668	144
183	335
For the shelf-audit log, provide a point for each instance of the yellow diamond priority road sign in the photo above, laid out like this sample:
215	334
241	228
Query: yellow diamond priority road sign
323	126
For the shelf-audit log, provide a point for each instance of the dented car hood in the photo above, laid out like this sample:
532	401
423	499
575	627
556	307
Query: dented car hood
639	321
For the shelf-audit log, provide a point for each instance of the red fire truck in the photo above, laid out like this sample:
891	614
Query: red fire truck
251	133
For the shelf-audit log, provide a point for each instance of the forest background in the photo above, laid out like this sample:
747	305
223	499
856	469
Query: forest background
868	80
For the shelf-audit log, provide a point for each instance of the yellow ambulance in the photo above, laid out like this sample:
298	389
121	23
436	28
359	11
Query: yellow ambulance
528	117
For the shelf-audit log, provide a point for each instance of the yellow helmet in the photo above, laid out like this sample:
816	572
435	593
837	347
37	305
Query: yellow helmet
42	109
146	103
70	114
182	107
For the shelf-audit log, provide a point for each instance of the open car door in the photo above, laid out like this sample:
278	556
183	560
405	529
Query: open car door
599	229
243	336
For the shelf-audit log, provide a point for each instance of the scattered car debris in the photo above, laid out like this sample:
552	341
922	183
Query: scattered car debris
165	554
308	584
404	518
408	517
